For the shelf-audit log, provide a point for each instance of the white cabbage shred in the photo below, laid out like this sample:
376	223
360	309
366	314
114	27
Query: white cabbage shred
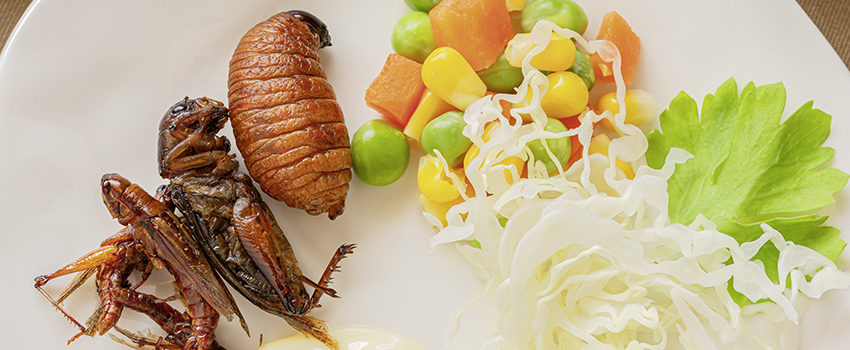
588	259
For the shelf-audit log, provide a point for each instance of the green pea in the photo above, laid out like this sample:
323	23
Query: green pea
412	36
445	134
379	152
560	147
421	5
564	13
501	76
583	67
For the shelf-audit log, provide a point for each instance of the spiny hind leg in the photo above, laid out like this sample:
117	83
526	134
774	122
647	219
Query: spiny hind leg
321	287
92	260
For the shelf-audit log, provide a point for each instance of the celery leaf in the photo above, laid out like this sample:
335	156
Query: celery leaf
749	167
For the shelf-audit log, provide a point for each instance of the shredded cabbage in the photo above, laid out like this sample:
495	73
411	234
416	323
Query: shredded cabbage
588	259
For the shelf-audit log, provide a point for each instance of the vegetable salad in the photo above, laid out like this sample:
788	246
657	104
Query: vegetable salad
587	232
426	85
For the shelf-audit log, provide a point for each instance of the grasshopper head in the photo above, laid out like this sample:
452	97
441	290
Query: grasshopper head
114	188
200	113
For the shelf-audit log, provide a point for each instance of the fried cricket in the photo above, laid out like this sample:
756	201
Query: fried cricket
231	222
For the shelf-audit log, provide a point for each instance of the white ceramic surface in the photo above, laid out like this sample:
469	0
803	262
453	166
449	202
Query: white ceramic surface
84	83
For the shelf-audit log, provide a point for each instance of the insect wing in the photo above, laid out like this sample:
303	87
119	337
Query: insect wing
285	253
184	256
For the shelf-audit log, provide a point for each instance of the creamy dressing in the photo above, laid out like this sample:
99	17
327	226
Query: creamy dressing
350	337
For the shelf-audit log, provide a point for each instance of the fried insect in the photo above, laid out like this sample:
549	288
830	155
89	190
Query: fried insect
117	257
153	237
286	120
233	225
168	244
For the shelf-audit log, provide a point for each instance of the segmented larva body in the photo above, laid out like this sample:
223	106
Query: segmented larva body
286	121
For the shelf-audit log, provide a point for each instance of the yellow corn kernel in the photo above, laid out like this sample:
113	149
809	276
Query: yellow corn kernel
447	74
599	144
519	46
434	183
437	209
489	129
471	153
567	96
558	56
509	161
515	5
474	150
430	106
641	107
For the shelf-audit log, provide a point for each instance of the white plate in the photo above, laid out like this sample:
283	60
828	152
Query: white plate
84	83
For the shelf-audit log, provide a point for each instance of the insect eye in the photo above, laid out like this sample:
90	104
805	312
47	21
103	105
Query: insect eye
180	107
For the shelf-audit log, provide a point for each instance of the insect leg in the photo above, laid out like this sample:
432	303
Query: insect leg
333	266
199	160
145	274
255	233
142	341
205	153
116	276
122	235
91	260
78	281
176	324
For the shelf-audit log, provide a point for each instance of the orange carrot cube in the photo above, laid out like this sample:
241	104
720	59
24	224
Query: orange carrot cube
396	91
478	29
616	30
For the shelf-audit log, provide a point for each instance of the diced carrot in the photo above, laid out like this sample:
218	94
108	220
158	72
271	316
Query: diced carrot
506	107
396	91
576	154
516	21
575	145
599	144
478	29
616	30
506	110
571	122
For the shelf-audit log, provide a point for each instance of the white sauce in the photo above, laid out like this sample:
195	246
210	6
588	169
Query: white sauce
351	337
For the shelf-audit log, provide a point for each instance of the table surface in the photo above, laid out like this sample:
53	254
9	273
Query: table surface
832	17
